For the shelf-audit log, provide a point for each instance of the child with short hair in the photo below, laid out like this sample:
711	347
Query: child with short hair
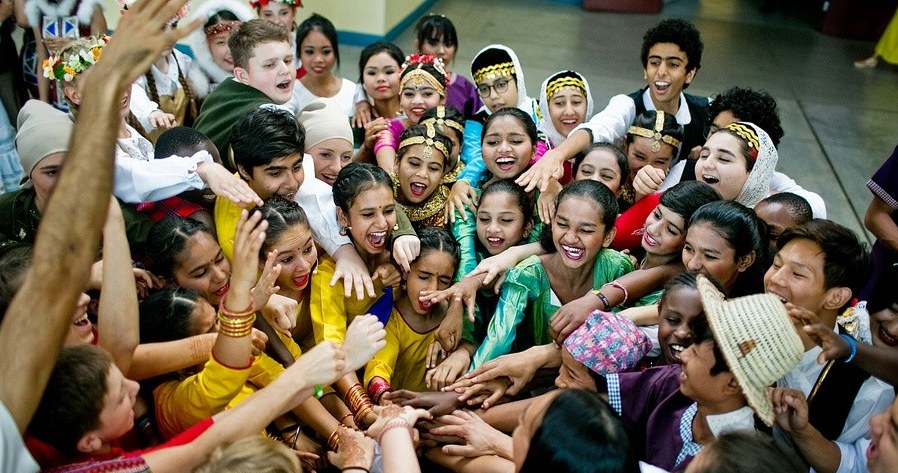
401	364
263	74
783	211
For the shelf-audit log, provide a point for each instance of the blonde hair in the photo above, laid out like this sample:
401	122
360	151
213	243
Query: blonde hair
252	455
73	48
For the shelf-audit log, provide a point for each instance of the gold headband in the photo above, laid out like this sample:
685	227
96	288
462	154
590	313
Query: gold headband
441	120
420	78
494	72
655	134
554	86
748	134
428	142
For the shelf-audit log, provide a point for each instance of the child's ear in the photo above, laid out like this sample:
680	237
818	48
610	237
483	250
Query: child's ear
241	74
836	297
528	227
732	386
691	75
609	237
90	442
242	172
341	218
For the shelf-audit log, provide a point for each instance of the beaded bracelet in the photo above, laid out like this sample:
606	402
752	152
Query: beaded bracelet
394	424
852	346
621	287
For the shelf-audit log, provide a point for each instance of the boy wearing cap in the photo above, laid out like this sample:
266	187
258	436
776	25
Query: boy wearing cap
747	344
42	143
671	57
818	268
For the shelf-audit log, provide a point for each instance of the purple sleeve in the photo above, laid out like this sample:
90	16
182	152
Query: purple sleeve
884	184
396	127
641	391
462	96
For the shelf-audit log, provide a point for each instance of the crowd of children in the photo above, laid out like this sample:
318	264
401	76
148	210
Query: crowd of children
418	271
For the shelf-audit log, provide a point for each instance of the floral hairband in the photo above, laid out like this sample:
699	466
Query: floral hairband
261	3
77	63
419	77
748	134
218	28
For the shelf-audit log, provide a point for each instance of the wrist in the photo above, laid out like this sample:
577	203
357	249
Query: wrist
852	348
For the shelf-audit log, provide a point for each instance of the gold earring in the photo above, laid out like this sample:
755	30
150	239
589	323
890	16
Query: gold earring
396	227
315	269
345	230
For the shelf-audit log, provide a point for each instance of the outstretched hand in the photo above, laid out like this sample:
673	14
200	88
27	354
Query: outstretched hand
365	336
140	39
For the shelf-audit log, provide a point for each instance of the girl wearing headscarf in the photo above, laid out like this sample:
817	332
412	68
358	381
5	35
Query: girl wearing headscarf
210	43
564	102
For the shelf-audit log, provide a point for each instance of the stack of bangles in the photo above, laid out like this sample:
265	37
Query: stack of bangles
358	402
376	388
236	324
333	442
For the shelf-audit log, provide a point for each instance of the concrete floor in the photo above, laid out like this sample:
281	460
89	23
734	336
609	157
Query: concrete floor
840	123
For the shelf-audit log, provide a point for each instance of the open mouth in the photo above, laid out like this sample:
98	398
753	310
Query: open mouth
569	122
418	111
575	254
662	87
377	239
425	305
886	337
289	195
301	281
781	298
505	163
417	189
285	85
82	321
648	240
222	290
329	178
710	179
675	350
495	242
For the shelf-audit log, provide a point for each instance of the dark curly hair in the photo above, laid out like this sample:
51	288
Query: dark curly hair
679	32
749	105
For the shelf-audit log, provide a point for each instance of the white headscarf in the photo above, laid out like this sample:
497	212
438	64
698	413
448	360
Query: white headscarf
525	103
757	186
545	122
199	46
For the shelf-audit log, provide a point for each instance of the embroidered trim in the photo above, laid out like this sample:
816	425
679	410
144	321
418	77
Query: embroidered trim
749	135
434	205
428	142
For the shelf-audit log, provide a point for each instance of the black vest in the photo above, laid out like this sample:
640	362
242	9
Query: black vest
693	133
833	395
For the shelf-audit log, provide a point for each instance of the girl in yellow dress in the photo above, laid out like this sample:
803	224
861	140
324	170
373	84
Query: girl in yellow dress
402	363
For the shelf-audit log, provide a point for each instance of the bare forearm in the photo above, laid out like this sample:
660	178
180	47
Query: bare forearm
399	452
154	359
878	220
118	312
66	253
879	362
312	413
821	454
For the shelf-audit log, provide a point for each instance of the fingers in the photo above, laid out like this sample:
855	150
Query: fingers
435	353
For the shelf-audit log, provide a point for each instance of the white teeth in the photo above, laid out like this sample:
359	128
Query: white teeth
662	84
504	160
709	178
572	251
676	348
378	234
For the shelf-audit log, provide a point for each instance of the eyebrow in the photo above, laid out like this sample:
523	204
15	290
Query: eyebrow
668	58
202	266
513	133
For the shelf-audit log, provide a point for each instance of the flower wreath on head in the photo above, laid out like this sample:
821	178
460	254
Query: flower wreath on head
261	3
437	64
55	69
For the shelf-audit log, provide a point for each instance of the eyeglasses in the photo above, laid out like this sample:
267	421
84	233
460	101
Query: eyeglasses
500	86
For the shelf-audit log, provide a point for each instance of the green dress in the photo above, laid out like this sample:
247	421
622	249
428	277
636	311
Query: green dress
525	307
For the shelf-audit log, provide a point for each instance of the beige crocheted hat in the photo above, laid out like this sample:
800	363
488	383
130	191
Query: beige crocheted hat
757	339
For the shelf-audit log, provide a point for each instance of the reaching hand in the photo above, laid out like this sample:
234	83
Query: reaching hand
266	287
449	370
259	340
225	184
834	346
464	291
350	268
388	274
140	39
389	412
484	393
460	196
321	365
519	368
449	332
545	204
480	438
364	114
571	316
647	181
248	240
280	312
405	250
161	120
436	403
790	409
365	336
356	451
542	172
